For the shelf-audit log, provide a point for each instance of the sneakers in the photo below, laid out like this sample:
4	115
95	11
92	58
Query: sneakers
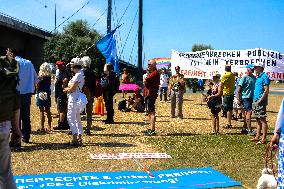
151	133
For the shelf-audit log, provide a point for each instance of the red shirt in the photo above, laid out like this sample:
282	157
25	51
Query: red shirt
152	83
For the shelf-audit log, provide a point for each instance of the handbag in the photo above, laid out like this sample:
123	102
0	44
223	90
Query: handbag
82	101
212	103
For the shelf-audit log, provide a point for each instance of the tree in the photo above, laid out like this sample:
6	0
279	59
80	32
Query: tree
76	37
200	47
192	83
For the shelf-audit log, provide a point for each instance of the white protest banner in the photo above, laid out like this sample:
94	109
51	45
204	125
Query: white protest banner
130	156
203	64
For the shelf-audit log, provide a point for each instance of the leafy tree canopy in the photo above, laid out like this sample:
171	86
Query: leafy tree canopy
76	37
200	47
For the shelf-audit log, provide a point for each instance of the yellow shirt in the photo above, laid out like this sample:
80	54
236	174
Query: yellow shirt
228	81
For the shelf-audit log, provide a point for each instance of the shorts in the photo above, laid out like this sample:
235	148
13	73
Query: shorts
228	103
259	111
17	103
61	104
150	104
215	111
236	105
247	104
43	103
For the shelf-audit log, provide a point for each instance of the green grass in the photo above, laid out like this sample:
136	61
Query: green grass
233	155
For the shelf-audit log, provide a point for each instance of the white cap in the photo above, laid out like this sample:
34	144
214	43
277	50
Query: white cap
86	61
259	64
76	62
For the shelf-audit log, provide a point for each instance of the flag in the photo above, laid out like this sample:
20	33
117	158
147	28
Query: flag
107	46
280	118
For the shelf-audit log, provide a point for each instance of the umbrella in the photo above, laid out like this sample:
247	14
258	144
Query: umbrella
128	87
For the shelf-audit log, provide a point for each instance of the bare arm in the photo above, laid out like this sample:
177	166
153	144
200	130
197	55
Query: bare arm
265	94
72	88
239	94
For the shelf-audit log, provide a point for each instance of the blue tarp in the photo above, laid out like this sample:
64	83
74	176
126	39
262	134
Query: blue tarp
173	178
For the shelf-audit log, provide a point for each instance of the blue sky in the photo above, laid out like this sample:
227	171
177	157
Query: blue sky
169	24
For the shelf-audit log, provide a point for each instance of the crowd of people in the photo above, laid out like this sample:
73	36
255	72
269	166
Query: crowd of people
19	80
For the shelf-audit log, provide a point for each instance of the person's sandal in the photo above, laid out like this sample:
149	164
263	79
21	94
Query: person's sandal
254	139
260	142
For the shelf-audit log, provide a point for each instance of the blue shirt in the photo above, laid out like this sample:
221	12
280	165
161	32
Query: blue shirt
261	81
27	76
247	84
236	85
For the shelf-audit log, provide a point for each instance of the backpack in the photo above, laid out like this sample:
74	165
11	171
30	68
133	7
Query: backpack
89	87
122	105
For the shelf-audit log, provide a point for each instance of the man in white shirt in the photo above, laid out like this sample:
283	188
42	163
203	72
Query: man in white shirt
164	80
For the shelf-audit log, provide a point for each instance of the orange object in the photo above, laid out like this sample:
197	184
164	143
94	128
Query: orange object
102	112
98	105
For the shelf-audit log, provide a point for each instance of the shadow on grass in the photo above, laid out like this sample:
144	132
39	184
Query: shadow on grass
137	123
181	134
116	135
189	100
110	144
198	118
64	146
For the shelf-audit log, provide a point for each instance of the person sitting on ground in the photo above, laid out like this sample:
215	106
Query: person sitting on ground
137	101
43	91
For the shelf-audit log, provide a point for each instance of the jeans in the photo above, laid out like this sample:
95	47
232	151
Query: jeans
25	115
163	90
6	176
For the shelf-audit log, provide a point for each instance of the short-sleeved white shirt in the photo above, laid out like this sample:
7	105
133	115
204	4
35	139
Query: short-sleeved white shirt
80	78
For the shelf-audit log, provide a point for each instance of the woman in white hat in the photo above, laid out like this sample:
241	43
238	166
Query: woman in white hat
75	85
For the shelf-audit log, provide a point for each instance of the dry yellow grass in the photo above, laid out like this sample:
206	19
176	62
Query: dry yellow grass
47	153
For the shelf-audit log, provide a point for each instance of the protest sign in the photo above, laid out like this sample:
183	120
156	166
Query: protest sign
204	64
130	155
173	178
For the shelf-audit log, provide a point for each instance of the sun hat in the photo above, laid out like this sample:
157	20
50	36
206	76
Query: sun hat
259	64
76	62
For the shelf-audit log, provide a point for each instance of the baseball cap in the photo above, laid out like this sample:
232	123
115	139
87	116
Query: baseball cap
59	63
251	66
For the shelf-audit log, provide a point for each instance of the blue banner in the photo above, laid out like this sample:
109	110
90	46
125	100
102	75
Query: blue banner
107	46
173	178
